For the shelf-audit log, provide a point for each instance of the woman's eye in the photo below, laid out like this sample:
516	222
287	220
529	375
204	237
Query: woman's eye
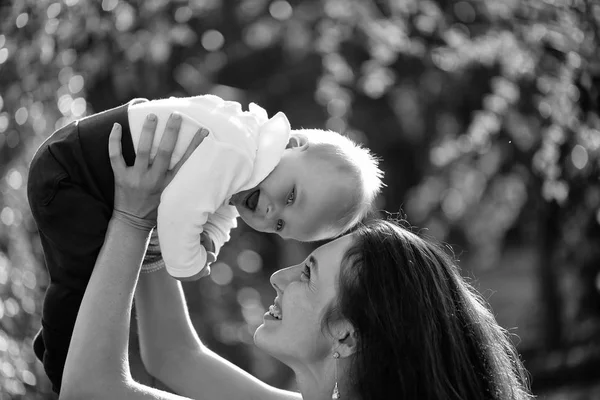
280	225
306	271
291	196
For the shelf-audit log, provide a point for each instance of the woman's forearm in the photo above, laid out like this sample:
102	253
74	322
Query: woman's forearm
98	349
165	328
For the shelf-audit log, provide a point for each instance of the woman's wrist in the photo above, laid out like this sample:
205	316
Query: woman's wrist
133	221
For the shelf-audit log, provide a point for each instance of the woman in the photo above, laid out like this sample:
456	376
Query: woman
379	313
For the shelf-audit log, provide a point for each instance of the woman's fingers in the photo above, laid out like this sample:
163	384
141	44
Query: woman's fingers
142	157
198	138
167	144
115	150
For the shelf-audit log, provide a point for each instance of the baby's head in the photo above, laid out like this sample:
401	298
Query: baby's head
323	186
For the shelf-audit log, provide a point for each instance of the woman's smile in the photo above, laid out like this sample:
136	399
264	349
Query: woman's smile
274	311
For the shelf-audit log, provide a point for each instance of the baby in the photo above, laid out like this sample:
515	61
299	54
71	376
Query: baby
306	185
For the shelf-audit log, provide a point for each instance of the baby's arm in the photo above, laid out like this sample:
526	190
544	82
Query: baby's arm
219	224
212	173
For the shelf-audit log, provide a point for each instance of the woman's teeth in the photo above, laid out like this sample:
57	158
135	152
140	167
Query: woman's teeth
275	311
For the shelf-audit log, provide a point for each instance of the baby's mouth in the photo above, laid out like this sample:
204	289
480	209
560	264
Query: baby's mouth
252	200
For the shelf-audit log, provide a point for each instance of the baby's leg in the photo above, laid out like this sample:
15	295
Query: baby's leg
71	199
71	224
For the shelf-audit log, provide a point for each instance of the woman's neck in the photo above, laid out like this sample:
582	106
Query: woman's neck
316	382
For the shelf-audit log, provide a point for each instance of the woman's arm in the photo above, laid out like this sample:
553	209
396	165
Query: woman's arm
173	353
97	365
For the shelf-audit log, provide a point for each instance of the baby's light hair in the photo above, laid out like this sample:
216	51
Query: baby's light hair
352	158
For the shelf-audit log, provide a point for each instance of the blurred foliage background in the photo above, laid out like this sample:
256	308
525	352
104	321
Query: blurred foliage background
485	112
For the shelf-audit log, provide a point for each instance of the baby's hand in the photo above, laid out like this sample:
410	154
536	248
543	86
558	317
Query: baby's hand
208	244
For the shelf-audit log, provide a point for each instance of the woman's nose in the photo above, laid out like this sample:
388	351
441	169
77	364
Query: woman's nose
280	279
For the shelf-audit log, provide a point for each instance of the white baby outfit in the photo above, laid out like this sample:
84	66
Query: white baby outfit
241	150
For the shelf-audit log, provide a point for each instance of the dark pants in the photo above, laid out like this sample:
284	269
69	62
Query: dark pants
70	191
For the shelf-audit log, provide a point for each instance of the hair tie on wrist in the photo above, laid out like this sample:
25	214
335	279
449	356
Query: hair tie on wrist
152	267
132	220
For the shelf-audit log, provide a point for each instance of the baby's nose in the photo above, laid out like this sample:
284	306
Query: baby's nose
271	211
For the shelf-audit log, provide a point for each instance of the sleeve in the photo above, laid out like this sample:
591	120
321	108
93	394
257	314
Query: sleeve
213	172
219	224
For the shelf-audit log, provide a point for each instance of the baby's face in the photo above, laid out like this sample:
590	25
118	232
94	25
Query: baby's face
298	200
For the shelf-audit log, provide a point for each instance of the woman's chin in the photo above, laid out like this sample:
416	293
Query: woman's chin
260	339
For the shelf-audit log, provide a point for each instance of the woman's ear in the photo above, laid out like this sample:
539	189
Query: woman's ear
346	339
297	141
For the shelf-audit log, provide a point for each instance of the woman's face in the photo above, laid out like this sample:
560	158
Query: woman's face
292	330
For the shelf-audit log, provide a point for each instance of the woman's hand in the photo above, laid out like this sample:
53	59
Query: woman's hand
138	188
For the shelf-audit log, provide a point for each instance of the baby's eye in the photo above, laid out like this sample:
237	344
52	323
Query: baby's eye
280	225
291	196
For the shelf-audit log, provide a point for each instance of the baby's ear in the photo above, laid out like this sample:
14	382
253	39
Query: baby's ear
297	141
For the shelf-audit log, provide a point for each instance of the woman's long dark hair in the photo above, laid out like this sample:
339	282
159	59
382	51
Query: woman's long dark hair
423	332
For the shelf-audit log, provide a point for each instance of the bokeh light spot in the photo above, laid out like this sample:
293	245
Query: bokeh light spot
3	55
7	369
22	20
183	14
109	5
258	35
78	107
212	40
3	122
68	57
249	261
28	377
76	83
14	179
65	75
221	273
64	103
464	12
579	156
53	10
280	10
7	216
453	204
21	116
252	308
12	307
160	49
3	271
125	17
29	280
28	304
247	295
50	28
